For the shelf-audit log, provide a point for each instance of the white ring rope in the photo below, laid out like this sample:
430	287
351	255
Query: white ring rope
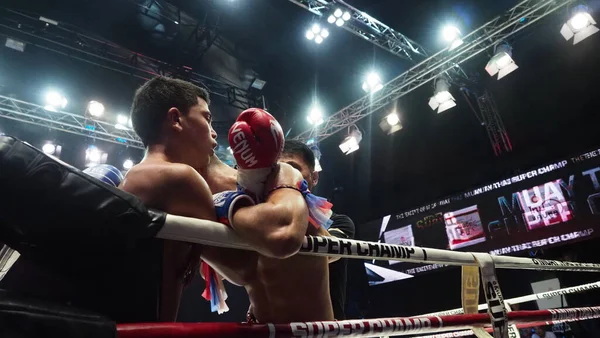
216	234
524	299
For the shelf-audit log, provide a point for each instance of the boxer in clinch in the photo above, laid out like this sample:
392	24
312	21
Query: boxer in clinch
173	120
292	289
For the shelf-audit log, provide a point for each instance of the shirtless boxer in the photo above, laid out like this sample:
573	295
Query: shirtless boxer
280	290
173	120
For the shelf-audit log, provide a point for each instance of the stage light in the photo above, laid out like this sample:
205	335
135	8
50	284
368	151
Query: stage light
54	101
317	33
442	100
451	35
501	63
123	122
94	156
49	148
580	26
316	28
392	119
390	123
315	115
258	83
351	142
127	164
122	119
95	108
372	83
339	17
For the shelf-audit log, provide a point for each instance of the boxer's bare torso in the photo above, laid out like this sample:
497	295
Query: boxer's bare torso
166	186
280	290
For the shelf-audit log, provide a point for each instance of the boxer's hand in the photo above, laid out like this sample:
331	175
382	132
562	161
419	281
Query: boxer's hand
283	175
256	139
228	202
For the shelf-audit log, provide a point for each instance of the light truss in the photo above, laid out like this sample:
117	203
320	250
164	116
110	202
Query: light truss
368	28
497	30
31	113
493	124
70	41
27	112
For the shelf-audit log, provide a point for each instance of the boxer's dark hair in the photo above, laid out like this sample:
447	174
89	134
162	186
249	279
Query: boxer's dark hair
294	147
152	101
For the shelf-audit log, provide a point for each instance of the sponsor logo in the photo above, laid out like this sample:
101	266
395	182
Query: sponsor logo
575	314
496	308
347	328
338	246
577	266
241	147
577	289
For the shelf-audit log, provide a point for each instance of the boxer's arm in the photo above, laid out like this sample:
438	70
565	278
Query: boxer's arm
194	199
178	190
277	227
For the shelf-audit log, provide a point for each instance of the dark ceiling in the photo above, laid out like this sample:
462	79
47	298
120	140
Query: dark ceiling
548	105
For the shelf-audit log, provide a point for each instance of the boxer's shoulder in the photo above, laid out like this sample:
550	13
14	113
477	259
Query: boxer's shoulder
165	173
155	182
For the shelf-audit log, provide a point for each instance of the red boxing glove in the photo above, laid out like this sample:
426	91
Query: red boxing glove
256	140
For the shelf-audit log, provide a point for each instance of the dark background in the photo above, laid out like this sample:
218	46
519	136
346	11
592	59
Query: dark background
549	106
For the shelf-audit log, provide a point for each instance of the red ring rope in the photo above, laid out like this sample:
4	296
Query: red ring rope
348	328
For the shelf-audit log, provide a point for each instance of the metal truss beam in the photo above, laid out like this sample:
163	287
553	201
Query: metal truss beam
493	124
31	113
27	112
521	16
70	41
368	28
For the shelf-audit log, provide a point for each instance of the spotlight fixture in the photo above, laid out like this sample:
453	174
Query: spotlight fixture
317	34
442	100
260	84
390	123
94	156
451	35
123	122
351	142
339	17
372	83
501	63
54	101
127	164
95	108
315	115
50	148
580	26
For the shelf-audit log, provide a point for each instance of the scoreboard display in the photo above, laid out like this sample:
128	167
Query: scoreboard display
548	206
